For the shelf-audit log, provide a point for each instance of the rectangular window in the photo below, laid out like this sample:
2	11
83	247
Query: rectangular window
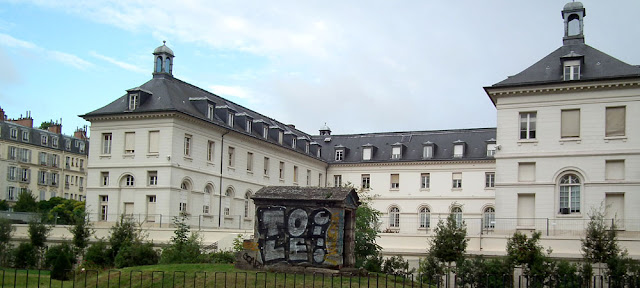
339	155
248	125
265	132
54	142
570	123
337	180
366	181
67	145
457	180
133	101
427	152
395	181
526	171
81	163
106	143
489	180
293	142
425	180
54	160
187	145
528	125
308	177
153	178
11	193
13	153
396	152
43	158
366	153
295	174
129	142
231	156
154	141
25	155
54	179
249	162
104	207
319	179
211	147
491	150
614	170
572	70
81	147
14	133
42	177
280	137
281	171
44	139
210	112
306	147
458	150
615	121
104	178
81	182
265	167
230	119
25	136
319	152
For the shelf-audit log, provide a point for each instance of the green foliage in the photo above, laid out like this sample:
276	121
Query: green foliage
600	244
81	231
136	254
479	272
222	257
450	240
367	219
4	205
237	243
60	259
46	124
38	233
6	231
123	233
25	256
374	263
26	202
98	255
429	268
184	248
527	252
396	265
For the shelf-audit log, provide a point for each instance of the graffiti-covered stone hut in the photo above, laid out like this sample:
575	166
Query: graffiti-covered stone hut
306	226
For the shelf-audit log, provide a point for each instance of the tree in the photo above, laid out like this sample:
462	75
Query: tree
46	124
184	248
599	244
450	240
82	231
26	202
366	232
6	231
38	233
60	260
4	206
527	252
123	233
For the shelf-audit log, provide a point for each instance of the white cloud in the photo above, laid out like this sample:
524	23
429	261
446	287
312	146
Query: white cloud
66	58
232	91
123	65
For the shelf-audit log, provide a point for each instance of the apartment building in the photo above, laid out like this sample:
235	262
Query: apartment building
45	163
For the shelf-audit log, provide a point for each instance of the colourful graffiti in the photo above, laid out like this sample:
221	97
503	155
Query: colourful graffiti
295	235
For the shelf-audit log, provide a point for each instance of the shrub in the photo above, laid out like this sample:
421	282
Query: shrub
187	252
479	272
430	268
222	257
25	256
6	230
98	255
396	265
123	233
136	254
374	263
60	260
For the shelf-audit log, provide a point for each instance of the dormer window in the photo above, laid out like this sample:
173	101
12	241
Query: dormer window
14	133
265	132
572	70
44	139
133	101
427	150
25	136
280	137
293	142
248	126
458	149
396	152
339	155
491	149
306	147
210	112
319	152
367	153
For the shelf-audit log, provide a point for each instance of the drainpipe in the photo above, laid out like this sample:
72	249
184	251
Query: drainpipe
221	162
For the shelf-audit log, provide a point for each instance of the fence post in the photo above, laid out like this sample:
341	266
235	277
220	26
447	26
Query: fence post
160	220
547	226
199	222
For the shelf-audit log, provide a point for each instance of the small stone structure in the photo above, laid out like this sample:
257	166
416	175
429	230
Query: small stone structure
302	226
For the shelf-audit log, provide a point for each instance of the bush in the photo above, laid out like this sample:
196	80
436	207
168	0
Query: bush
60	260
187	252
430	268
396	265
98	255
6	230
136	254
374	263
25	256
222	257
479	272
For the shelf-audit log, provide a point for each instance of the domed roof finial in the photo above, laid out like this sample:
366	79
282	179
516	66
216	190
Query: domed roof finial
163	59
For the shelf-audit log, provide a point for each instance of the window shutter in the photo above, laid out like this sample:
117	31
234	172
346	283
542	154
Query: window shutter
526	172
457	176
570	123
154	138
366	154
615	121
614	170
129	142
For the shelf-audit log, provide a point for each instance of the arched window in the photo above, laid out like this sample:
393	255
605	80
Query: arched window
228	197
394	217
207	199
569	194
167	65
129	181
159	64
424	216
457	214
574	25
247	204
489	218
185	187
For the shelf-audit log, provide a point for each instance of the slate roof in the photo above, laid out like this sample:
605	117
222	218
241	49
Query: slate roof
330	194
35	138
475	141
596	66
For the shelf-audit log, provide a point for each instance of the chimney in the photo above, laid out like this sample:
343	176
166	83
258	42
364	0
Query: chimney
2	116
26	121
55	128
81	133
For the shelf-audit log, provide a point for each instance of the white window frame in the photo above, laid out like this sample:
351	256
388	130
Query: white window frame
107	140
425	181
427	152
211	148
44	139
337	180
366	181
153	178
133	101
130	181
571	70
571	186
489	218
339	155
528	120
424	217
187	145
394	217
489	180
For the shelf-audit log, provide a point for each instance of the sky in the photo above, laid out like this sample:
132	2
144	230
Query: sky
358	66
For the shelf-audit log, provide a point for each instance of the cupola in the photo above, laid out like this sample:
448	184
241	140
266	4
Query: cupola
573	14
163	59
325	130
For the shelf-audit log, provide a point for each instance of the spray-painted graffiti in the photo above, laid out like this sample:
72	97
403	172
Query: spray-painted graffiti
294	235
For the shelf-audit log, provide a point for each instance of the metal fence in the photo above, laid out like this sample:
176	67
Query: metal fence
195	221
411	224
147	278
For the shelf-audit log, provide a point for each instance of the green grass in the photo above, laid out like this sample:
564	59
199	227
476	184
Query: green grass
192	275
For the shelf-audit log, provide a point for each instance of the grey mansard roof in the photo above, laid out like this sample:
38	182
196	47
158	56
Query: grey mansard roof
595	66
412	142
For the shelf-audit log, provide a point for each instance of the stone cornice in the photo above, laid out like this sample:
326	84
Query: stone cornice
562	88
400	163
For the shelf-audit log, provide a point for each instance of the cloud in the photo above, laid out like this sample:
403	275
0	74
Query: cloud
123	65
65	58
233	91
